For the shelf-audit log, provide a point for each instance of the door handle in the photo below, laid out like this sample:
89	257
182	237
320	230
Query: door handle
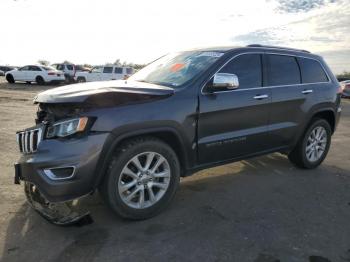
308	91
259	97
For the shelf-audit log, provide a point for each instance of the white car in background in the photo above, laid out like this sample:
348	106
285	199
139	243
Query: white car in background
104	73
35	73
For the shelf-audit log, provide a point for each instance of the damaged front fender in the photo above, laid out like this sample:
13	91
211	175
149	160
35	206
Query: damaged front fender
62	214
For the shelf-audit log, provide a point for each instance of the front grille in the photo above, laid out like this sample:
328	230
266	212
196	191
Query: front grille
29	140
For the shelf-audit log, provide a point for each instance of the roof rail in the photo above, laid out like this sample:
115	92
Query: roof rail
278	47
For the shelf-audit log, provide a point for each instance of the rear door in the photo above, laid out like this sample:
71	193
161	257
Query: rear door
234	123
290	101
33	72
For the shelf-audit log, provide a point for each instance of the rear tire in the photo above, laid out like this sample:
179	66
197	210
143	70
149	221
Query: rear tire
155	185
313	146
81	80
39	80
10	79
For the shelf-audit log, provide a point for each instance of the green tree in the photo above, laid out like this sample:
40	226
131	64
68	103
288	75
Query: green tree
345	74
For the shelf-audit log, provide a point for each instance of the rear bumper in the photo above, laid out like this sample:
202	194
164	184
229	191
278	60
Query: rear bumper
82	154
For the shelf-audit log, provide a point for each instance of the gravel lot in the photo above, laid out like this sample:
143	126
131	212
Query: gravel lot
263	209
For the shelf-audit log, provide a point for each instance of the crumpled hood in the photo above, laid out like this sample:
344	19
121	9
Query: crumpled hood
100	92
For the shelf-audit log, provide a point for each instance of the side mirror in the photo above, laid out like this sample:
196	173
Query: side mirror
225	80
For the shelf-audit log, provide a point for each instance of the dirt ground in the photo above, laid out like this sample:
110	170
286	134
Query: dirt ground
263	209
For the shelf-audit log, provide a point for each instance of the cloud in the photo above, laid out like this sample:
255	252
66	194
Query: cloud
296	6
326	31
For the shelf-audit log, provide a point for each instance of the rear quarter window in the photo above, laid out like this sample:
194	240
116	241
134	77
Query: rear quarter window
282	70
312	71
69	67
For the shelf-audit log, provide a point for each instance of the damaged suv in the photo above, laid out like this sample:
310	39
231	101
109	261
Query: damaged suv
133	139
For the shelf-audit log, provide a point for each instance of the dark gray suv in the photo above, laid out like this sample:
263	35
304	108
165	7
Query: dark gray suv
133	139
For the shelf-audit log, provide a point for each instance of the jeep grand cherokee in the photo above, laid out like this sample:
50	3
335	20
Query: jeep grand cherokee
133	140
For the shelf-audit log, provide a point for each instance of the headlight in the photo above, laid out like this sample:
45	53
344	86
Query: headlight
67	127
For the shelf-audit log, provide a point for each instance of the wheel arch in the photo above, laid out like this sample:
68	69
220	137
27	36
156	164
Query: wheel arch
39	76
325	113
167	134
328	115
81	77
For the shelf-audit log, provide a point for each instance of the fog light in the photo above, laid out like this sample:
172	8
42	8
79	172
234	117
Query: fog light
60	173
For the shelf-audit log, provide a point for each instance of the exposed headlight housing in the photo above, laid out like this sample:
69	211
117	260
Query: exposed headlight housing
67	127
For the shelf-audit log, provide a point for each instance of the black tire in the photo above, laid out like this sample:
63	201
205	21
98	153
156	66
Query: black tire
39	80
28	82
81	79
298	155
10	79
129	149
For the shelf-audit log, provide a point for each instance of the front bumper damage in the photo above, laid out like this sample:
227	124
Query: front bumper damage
58	198
62	213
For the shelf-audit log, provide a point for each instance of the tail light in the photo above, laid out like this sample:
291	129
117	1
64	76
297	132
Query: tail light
51	73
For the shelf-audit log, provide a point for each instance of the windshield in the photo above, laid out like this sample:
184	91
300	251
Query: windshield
176	69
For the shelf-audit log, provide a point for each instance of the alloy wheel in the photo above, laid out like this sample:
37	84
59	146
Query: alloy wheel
144	180
316	144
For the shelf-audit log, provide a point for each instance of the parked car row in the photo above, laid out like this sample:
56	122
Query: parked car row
66	73
6	68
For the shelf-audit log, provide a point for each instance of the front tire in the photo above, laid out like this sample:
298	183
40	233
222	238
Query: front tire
313	146
10	79
142	178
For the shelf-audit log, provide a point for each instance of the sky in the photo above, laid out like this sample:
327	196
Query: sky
101	31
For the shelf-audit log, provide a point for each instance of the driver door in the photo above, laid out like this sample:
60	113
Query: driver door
96	74
107	73
22	73
234	123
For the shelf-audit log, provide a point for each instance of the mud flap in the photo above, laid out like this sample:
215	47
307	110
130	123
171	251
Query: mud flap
62	214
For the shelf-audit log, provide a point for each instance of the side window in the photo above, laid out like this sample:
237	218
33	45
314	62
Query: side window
107	69
24	68
312	71
118	70
282	70
247	68
34	68
129	70
69	67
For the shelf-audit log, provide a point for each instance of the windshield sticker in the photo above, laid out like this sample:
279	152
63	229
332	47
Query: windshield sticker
176	67
211	54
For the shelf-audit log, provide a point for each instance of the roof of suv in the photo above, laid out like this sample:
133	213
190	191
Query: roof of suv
225	49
